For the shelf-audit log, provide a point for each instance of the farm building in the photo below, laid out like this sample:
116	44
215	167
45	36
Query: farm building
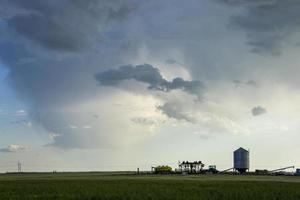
191	167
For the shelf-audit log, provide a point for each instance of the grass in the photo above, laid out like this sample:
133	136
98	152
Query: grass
83	186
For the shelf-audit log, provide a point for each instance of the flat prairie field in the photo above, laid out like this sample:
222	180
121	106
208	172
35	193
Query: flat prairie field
83	186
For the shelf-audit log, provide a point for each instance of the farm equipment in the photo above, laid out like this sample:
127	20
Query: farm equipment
163	169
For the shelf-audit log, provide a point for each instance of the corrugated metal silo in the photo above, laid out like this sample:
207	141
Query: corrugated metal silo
241	160
297	172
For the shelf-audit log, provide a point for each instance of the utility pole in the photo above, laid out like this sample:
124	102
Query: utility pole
19	167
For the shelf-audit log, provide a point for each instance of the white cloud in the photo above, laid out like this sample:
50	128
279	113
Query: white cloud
202	135
28	124
113	129
71	126
15	148
86	127
21	113
52	136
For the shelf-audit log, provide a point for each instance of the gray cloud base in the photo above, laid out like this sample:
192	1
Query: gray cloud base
268	24
53	49
54	24
175	112
148	74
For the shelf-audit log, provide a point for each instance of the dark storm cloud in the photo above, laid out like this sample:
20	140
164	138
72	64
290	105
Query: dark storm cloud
268	24
258	110
51	78
101	34
64	25
148	74
58	25
46	33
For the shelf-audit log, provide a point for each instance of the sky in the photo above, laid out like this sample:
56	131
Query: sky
120	84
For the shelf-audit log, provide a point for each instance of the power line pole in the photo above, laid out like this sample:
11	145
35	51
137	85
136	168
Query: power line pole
19	167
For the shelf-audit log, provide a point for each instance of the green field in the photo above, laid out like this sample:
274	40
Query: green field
129	186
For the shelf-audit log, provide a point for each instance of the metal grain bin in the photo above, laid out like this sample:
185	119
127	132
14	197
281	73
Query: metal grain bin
297	172
241	160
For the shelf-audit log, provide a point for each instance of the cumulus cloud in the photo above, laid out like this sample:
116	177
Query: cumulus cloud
53	69
176	112
258	110
148	74
268	24
203	116
15	148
